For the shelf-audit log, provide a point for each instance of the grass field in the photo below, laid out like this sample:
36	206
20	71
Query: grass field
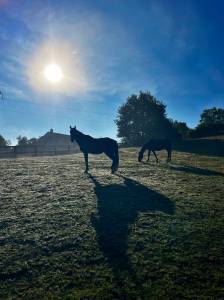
153	231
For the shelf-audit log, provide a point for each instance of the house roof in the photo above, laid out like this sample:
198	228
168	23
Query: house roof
55	138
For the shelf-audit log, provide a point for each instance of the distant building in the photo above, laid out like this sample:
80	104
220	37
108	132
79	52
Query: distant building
54	139
51	143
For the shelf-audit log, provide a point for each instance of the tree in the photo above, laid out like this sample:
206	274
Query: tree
212	116
4	142
143	117
181	128
22	140
32	141
210	124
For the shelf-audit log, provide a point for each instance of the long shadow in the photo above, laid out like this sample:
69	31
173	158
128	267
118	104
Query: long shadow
194	170
201	146
118	206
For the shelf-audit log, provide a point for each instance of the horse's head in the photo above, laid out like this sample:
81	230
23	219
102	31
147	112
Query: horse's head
73	133
140	156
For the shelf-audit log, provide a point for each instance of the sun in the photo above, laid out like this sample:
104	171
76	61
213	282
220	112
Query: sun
57	68
53	73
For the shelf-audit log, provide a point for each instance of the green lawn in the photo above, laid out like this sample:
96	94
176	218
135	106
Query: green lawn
153	231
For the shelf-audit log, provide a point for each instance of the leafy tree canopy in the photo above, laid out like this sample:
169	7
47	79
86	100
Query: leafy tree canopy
23	141
211	123
143	117
212	116
4	142
181	128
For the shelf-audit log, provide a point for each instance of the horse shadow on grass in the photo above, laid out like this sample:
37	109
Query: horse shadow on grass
195	170
118	206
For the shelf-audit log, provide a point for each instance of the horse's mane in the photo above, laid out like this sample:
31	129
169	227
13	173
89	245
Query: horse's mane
82	135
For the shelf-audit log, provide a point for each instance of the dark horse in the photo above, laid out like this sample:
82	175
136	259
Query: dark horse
88	144
153	145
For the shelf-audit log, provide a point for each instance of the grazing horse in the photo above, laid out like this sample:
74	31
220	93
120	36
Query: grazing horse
88	144
156	144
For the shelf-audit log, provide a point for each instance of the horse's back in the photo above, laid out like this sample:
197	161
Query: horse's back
98	145
108	143
159	144
107	140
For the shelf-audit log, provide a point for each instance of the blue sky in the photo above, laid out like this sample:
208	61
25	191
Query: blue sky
109	50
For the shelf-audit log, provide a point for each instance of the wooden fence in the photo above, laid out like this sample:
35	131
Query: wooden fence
36	150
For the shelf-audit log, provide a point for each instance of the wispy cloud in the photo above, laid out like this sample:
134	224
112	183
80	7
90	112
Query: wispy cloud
118	48
93	35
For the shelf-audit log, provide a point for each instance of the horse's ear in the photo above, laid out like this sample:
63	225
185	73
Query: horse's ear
75	127
70	127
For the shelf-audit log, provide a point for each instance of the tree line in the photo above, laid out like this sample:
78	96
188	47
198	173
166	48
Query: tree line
143	117
21	141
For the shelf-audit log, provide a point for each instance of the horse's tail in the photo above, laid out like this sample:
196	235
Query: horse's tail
116	157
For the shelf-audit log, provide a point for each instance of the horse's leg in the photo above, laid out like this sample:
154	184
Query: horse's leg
115	163
111	156
86	161
155	156
168	155
148	155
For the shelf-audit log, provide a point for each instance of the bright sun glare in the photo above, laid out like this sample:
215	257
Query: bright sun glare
53	73
55	68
